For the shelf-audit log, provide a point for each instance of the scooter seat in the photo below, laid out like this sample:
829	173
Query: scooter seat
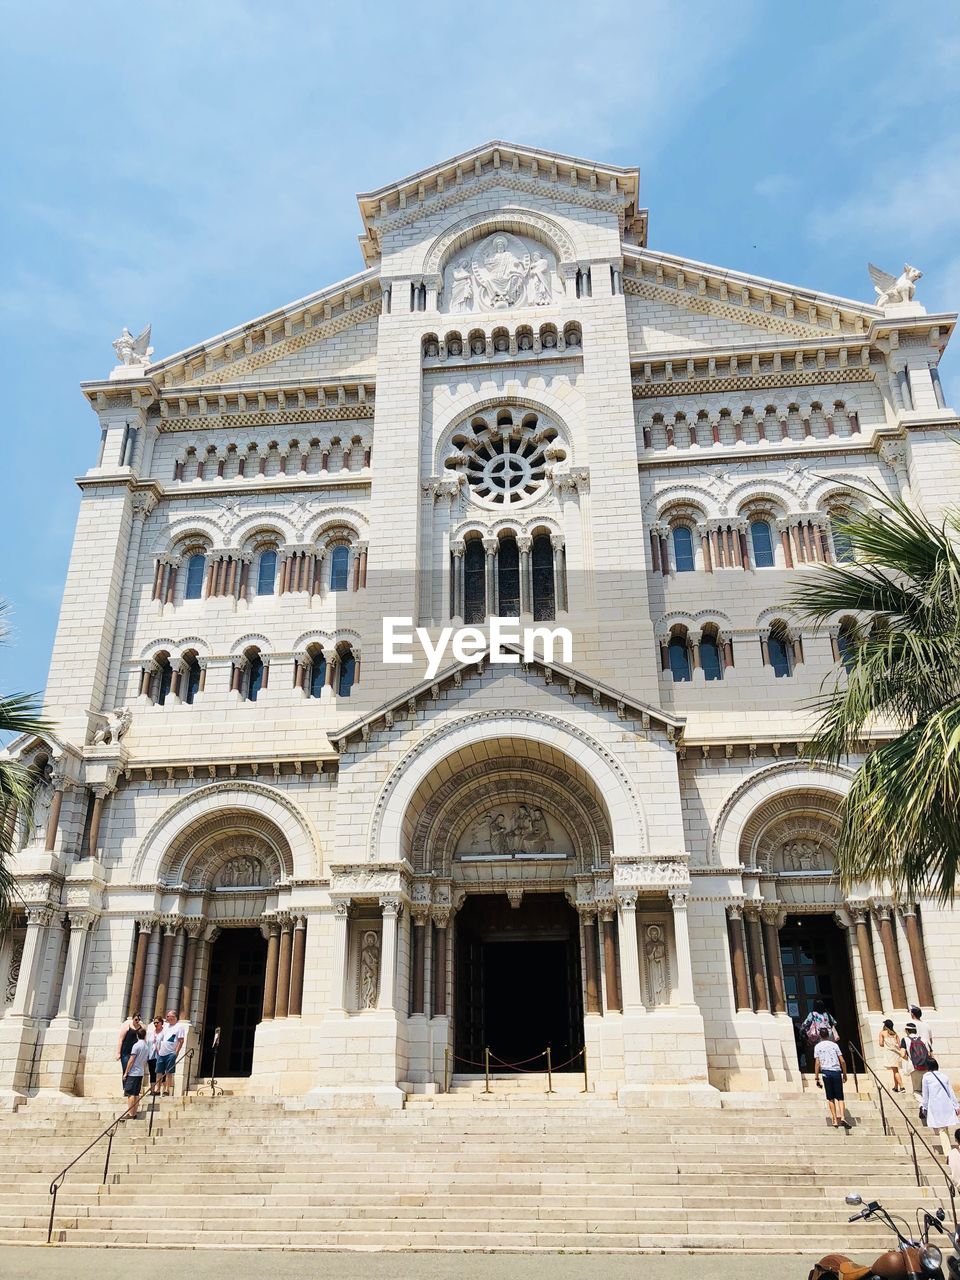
844	1268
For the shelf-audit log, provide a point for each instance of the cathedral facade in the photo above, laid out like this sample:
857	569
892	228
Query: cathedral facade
294	790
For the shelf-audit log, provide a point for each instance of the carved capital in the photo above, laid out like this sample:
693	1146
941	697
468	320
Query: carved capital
627	901
390	906
679	898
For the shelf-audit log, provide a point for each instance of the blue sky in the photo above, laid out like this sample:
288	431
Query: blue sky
196	165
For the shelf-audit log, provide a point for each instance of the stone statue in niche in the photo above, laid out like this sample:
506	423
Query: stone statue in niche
501	272
246	873
655	952
802	855
369	969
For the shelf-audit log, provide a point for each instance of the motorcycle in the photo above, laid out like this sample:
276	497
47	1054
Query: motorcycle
912	1259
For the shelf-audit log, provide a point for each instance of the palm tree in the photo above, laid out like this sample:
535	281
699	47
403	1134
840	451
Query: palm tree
19	714
901	592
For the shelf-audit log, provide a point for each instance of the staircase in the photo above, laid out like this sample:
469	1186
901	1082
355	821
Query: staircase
513	1170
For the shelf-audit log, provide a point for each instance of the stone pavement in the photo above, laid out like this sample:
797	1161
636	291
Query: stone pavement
53	1263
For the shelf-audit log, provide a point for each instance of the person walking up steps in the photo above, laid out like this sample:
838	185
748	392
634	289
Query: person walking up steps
815	1021
830	1072
940	1106
892	1053
133	1073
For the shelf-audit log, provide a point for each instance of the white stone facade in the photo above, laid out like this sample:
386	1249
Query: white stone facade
516	407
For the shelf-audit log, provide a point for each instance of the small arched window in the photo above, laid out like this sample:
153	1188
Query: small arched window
710	658
191	678
683	561
254	676
339	568
761	539
318	674
346	674
164	679
544	585
508	578
842	546
196	567
679	656
266	572
847	644
779	650
474	588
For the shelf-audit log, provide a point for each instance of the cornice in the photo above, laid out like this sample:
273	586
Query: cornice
280	402
264	485
868	441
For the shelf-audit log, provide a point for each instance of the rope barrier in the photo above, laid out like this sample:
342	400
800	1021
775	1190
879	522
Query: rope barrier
518	1066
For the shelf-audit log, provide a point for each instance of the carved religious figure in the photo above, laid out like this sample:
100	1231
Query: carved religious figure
369	969
655	951
116	725
501	272
524	829
241	872
131	350
893	289
802	855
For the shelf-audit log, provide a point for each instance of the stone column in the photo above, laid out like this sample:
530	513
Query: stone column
758	977
341	920
153	964
53	820
741	987
144	926
417	954
614	1002
100	793
271	931
891	956
163	979
559	548
868	965
918	957
456	550
176	969
390	908
525	546
441	920
283	968
81	922
192	931
31	962
591	959
772	921
681	933
491	546
629	952
296	974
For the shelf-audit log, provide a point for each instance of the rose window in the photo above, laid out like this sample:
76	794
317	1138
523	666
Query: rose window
508	461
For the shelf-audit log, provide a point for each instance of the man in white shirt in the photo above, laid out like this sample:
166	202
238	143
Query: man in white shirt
830	1073
133	1073
923	1031
169	1043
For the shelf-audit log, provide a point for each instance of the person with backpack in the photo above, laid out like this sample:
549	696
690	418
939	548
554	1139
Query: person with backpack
918	1054
816	1021
923	1030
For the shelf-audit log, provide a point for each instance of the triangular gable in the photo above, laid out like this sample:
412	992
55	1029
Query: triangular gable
554	673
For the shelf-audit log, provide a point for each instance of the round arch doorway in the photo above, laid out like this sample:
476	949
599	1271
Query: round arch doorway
518	985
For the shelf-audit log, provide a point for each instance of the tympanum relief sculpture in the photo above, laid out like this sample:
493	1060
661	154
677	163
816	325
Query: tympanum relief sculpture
241	873
514	830
500	272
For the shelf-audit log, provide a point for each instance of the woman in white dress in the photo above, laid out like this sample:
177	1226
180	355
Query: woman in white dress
892	1054
940	1103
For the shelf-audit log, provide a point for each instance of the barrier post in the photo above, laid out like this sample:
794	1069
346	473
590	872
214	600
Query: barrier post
549	1071
586	1082
486	1069
446	1069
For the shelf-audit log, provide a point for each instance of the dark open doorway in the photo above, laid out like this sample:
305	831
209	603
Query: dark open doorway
816	966
518	985
234	1000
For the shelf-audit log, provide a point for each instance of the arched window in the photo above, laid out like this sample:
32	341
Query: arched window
339	568
164	678
710	657
196	568
679	656
779	650
761	539
683	561
346	674
191	679
842	547
847	644
254	676
508	578
474	590
266	573
318	674
544	585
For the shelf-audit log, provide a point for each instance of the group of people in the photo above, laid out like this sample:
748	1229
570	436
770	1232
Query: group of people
149	1051
912	1052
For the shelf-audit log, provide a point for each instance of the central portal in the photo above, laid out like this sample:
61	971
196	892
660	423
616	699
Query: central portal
518	986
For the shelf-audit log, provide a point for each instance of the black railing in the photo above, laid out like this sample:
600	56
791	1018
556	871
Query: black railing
109	1133
915	1134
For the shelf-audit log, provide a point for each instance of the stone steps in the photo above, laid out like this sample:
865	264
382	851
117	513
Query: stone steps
579	1174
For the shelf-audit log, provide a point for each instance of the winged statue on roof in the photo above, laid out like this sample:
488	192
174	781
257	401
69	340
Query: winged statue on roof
131	350
893	289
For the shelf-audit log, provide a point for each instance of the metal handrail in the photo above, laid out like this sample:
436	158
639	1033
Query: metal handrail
109	1134
188	1055
915	1134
